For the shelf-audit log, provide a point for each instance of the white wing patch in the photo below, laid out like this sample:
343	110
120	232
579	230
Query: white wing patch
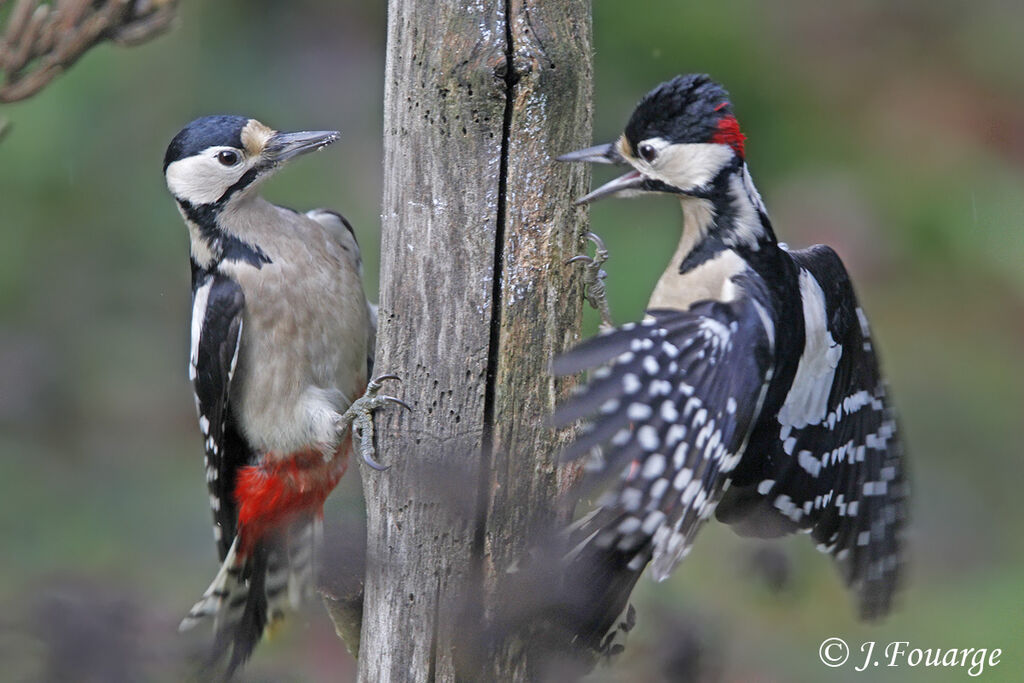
234	354
198	318
807	401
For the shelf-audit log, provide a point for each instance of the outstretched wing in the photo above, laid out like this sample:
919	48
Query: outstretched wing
836	461
675	408
217	306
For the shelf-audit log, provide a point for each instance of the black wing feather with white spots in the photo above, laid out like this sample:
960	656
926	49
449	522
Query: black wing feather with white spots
858	444
675	407
217	306
837	465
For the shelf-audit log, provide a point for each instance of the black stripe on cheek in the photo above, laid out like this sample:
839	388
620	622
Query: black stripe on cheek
245	181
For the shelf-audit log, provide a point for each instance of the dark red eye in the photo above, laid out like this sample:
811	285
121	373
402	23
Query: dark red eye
227	157
648	152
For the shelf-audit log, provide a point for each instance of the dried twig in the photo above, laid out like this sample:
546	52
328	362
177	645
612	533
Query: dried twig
43	39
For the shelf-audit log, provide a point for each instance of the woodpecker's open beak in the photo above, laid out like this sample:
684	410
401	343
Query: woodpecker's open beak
606	154
283	146
598	154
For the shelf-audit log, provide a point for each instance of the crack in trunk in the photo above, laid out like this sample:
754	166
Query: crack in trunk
494	344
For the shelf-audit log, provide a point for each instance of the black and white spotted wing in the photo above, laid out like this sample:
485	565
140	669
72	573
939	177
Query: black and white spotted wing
217	306
835	460
675	409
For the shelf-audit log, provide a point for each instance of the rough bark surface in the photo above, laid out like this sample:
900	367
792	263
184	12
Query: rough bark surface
475	299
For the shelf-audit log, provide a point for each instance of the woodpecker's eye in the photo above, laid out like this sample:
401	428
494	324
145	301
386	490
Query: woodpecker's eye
648	152
227	157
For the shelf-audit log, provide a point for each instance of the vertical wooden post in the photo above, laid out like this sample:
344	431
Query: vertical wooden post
475	298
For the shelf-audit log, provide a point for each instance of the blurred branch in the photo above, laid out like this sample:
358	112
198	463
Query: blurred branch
340	572
43	39
346	614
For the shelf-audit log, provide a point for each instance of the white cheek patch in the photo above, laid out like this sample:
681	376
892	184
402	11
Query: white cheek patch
201	179
688	166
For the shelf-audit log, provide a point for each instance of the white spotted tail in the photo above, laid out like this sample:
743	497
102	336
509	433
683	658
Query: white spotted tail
250	591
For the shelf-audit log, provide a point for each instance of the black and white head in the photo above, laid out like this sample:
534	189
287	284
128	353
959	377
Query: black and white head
681	136
217	160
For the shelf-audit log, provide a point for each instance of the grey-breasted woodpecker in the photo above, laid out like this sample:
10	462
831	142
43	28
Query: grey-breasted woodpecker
751	390
281	343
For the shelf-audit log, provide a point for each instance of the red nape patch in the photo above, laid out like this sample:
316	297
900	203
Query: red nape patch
273	493
728	133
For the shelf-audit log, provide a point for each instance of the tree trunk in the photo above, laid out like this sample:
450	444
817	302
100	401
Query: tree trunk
477	224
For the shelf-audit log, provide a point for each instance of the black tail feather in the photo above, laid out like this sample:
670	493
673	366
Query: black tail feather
596	605
247	633
565	605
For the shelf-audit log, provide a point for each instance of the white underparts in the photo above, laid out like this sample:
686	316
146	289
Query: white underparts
710	281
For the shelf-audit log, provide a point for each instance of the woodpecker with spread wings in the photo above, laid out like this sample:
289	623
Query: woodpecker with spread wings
750	391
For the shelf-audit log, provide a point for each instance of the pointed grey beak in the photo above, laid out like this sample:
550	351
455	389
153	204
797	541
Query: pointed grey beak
632	180
598	154
605	154
283	146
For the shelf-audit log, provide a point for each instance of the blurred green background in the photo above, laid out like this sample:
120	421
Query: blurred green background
892	131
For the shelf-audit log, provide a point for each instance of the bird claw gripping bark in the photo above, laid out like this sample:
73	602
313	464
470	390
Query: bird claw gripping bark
593	279
360	416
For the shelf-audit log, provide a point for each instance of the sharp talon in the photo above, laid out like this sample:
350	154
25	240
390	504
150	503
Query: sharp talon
398	401
368	459
593	237
360	416
594	276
